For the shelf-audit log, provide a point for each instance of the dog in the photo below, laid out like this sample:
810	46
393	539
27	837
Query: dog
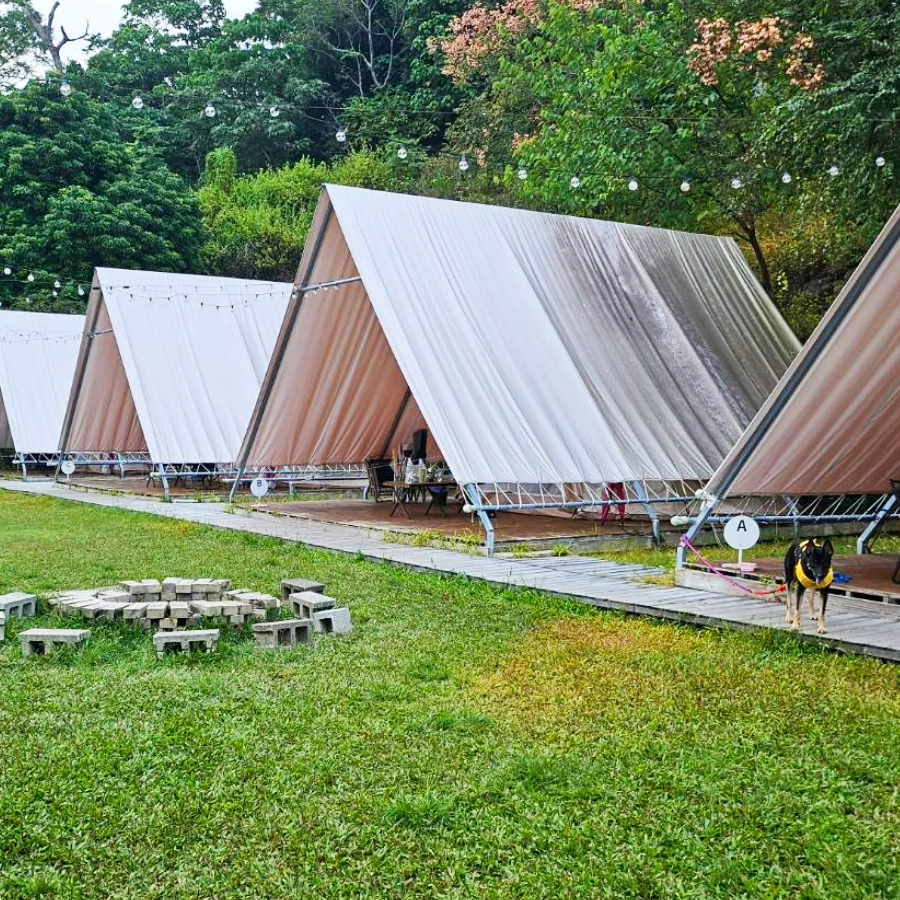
807	567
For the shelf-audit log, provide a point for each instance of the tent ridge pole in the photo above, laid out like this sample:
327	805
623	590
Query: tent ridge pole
396	423
865	540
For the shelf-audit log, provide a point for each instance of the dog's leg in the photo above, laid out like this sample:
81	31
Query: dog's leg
812	606
798	605
823	599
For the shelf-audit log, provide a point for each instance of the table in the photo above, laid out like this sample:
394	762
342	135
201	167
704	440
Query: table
434	491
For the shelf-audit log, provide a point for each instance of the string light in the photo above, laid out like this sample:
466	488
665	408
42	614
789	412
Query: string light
685	186
880	161
834	171
632	184
57	284
575	182
736	183
210	111
402	153
138	103
463	163
31	277
7	271
341	136
65	88
523	174
786	177
274	112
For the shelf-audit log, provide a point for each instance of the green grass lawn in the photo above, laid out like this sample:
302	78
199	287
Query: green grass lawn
463	742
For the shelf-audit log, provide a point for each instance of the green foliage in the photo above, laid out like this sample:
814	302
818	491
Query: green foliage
257	224
76	196
462	742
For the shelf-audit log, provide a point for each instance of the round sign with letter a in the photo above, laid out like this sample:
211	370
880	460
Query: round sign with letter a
741	532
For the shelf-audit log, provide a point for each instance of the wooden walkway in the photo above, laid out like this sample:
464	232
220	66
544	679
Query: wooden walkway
855	626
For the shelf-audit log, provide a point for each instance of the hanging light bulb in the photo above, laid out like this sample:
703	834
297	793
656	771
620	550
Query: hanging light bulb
274	112
138	103
523	174
28	299
736	183
575	181
402	153
685	186
7	271
786	177
834	171
55	293
463	163
880	161
632	184
341	136
210	111
57	284
30	277
65	88
80	291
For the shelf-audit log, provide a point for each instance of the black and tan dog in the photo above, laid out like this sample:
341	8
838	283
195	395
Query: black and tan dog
807	567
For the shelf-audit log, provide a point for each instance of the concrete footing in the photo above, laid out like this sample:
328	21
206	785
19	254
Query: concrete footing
332	621
308	602
18	604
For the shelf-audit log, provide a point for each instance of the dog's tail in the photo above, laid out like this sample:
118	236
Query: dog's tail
790	563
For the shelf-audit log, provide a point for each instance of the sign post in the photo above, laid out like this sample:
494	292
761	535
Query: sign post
741	533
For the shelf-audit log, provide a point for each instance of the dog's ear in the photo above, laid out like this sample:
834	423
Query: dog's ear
828	548
808	546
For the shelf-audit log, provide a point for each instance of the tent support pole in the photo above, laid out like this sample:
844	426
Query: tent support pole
795	512
24	467
867	538
641	494
237	479
396	423
691	534
486	523
165	481
121	464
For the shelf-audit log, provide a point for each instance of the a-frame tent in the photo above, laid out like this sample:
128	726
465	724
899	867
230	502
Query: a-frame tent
540	350
170	367
830	428
38	352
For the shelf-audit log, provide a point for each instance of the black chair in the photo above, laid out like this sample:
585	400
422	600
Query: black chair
380	472
895	489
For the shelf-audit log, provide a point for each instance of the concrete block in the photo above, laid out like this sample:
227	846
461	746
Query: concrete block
179	609
152	596
112	611
259	613
223	584
203	586
230	608
333	621
37	641
133	587
134	611
152	584
111	595
206	607
308	602
168	596
235	620
266	601
18	604
285	633
168	584
167	624
298	586
185	641
184	586
157	610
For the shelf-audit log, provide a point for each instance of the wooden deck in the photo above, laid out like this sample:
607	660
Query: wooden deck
854	625
538	530
870	576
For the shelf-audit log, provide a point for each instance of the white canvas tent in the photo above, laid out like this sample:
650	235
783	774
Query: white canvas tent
830	427
539	349
170	366
37	360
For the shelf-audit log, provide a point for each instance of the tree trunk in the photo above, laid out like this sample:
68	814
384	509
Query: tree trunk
748	227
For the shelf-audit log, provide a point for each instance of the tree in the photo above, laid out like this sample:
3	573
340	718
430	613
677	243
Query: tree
77	196
24	33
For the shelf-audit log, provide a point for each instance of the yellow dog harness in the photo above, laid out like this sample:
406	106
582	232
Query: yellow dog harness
808	583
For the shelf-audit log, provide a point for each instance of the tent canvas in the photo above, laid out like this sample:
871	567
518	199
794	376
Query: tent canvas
171	365
38	352
539	349
831	425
